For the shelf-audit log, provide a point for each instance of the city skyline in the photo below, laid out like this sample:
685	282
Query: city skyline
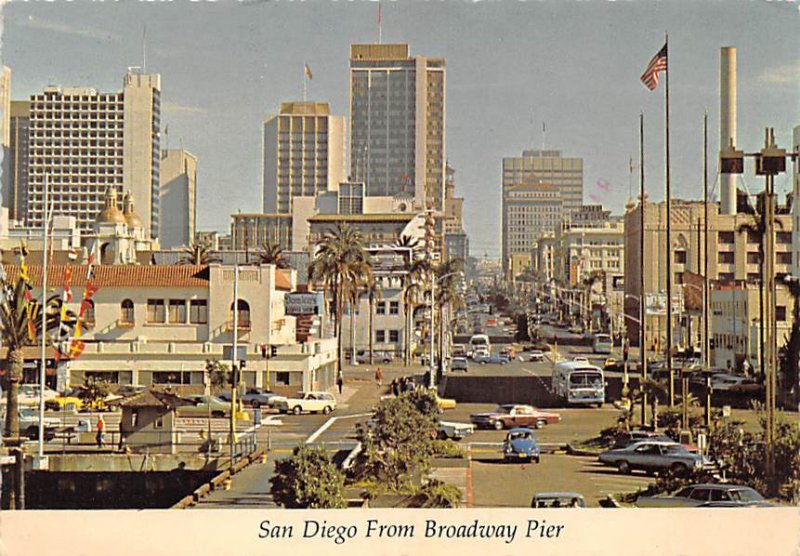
243	60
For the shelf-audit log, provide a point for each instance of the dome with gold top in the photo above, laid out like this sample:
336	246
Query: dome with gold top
110	213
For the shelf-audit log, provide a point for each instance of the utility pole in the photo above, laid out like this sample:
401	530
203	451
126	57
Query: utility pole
642	310
234	360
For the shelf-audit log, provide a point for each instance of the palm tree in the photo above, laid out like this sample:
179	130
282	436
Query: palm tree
407	241
339	257
198	253
449	295
415	272
372	289
272	253
20	325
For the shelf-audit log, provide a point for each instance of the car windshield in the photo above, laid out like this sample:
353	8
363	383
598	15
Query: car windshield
745	495
585	379
672	448
503	409
520	435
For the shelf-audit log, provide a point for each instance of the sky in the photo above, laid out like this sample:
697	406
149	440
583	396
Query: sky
511	66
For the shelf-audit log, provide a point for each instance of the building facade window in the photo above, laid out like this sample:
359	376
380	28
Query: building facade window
155	311
394	307
126	311
394	336
380	308
177	311
242	313
780	313
198	311
380	336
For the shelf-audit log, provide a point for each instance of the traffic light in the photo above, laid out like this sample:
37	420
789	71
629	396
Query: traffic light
771	161
731	161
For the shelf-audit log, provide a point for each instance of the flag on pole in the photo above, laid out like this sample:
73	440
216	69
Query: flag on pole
308	72
656	66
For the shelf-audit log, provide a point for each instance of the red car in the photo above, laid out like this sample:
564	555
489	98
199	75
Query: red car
509	416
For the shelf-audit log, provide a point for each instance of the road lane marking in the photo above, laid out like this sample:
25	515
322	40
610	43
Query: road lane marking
316	434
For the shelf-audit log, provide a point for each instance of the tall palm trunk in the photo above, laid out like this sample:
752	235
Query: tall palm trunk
352	333
14	365
371	332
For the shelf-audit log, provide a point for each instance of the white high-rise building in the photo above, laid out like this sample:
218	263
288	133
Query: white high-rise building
85	141
178	198
397	123
304	154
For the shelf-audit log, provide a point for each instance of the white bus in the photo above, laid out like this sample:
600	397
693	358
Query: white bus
480	342
579	383
603	343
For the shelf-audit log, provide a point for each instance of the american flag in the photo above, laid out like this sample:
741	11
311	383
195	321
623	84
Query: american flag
656	65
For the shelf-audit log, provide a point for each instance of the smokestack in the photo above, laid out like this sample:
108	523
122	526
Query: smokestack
727	123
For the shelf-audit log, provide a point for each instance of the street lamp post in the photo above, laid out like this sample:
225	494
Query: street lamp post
431	367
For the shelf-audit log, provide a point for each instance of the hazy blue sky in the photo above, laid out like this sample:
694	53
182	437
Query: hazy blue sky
510	65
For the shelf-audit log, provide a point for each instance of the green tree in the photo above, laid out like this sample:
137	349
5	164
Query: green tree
436	494
94	391
414	275
20	326
272	253
308	479
219	373
449	295
198	253
339	259
399	443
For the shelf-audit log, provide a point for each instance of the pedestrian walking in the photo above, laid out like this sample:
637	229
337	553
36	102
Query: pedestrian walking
395	387
379	377
340	381
101	429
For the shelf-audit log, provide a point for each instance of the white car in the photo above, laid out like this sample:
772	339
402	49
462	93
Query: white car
29	394
536	355
580	359
480	352
455	431
308	402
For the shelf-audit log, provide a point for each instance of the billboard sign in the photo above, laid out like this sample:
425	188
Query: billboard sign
303	303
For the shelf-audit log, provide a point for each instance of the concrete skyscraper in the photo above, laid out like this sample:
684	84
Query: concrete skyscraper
85	141
5	134
304	154
397	122
178	193
538	189
15	181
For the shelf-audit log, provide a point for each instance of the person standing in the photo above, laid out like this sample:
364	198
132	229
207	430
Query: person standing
379	377
101	429
340	381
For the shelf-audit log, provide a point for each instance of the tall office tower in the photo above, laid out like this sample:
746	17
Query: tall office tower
304	154
535	168
727	124
85	141
5	134
15	190
178	189
397	120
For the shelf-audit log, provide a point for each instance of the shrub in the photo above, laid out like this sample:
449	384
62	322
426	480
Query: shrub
308	479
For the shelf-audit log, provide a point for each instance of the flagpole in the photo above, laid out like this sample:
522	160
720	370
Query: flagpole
380	25
642	313
305	81
668	239
44	322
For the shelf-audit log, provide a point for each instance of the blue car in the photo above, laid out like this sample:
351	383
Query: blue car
520	444
492	359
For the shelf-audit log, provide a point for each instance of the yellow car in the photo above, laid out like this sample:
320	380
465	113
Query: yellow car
64	403
445	403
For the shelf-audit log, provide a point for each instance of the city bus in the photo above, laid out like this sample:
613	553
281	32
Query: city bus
579	383
603	343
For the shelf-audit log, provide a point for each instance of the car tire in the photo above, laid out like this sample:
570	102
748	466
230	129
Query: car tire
624	467
297	410
218	413
442	435
498	425
255	404
326	409
540	424
679	469
483	362
537	459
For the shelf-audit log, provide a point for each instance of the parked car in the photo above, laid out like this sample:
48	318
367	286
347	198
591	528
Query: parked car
455	431
631	437
706	495
479	353
29	424
723	382
445	403
255	397
203	405
655	456
575	330
580	359
64	402
536	355
520	444
307	402
29	394
514	415
558	500
459	364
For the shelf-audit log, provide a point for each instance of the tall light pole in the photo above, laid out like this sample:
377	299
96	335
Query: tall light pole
434	281
44	322
234	359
